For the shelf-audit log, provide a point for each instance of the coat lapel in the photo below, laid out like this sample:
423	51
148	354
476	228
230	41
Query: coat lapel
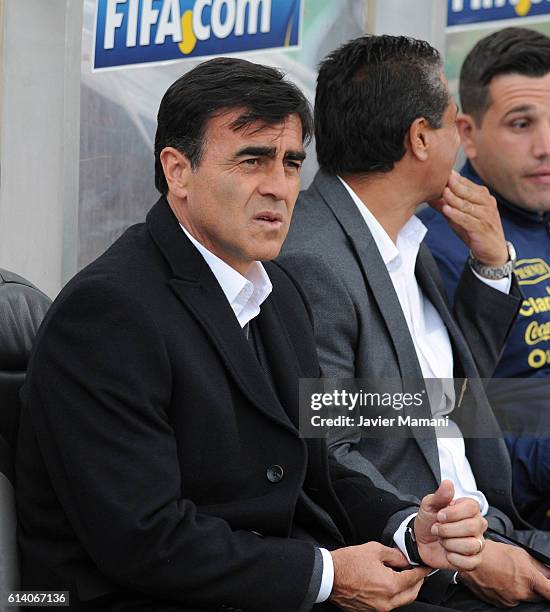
197	288
377	277
281	356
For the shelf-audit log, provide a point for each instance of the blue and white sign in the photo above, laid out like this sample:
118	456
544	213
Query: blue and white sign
146	31
462	12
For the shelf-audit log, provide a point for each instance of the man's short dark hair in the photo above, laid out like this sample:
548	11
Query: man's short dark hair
508	51
369	92
216	86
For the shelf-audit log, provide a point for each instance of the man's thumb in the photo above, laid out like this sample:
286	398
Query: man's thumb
441	498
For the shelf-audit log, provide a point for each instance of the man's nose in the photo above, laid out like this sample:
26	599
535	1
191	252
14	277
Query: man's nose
275	182
541	144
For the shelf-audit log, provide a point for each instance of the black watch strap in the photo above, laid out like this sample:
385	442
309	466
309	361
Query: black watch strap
411	544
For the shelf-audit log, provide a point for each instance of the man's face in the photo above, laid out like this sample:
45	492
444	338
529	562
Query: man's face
239	201
511	148
446	145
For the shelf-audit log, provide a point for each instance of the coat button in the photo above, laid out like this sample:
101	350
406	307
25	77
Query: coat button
275	473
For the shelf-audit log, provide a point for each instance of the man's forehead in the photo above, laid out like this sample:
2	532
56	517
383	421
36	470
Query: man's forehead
237	120
228	130
507	91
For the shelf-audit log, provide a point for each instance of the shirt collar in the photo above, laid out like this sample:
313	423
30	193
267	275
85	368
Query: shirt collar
238	289
412	232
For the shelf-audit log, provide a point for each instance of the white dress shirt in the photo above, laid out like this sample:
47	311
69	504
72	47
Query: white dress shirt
432	345
245	295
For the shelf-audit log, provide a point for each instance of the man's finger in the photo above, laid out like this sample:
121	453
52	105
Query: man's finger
393	557
471	527
463	508
464	563
543	569
407	595
463	204
463	220
411	577
542	586
463	546
440	499
467	190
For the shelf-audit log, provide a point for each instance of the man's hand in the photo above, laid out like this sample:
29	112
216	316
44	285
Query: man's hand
449	533
507	576
364	578
473	214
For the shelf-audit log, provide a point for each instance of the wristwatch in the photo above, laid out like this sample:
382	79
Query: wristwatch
496	272
411	545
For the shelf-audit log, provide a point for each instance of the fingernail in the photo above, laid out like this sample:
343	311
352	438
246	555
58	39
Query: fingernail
434	529
442	517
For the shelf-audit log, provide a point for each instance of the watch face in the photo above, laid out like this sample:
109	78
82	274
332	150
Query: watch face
511	251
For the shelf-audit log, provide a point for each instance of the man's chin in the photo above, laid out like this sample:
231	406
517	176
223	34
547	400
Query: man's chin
540	206
268	247
269	256
534	200
267	252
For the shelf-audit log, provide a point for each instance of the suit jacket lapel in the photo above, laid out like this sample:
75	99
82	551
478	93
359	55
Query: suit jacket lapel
197	288
474	415
426	276
377	277
374	269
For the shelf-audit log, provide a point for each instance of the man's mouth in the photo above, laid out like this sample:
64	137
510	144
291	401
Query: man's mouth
269	219
542	176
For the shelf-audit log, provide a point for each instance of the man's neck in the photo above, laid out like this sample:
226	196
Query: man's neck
387	198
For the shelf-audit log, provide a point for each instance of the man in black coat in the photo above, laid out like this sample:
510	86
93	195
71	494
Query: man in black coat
159	463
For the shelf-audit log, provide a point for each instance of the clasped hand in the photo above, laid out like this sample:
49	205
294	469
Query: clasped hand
374	577
508	576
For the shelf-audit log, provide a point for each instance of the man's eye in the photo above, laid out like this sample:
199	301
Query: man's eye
253	161
520	124
294	165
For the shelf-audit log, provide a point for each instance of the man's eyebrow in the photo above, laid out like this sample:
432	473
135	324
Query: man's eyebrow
256	151
524	108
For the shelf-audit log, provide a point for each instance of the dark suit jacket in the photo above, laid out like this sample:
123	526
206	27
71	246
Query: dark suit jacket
149	435
361	332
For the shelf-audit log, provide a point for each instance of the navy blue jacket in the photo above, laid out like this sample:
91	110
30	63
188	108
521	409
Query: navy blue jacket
522	404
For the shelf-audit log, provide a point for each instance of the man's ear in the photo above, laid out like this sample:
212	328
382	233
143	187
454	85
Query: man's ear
467	129
418	139
177	170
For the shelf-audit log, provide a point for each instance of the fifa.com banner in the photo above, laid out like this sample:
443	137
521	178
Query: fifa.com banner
462	12
130	32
